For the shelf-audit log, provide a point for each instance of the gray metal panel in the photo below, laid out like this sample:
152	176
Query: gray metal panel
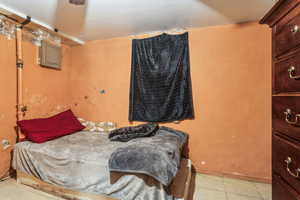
50	55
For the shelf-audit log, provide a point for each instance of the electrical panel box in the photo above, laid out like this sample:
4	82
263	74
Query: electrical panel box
50	55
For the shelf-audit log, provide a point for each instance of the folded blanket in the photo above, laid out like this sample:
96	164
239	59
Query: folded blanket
128	133
157	156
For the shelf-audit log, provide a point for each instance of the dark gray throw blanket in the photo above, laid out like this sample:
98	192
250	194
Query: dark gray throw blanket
157	156
128	133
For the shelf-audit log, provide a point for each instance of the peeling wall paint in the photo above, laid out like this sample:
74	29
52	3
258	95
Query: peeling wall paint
2	116
46	90
42	105
228	64
7	100
90	95
45	93
226	61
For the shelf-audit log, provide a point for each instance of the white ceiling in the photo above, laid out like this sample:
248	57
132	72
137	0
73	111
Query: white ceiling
102	19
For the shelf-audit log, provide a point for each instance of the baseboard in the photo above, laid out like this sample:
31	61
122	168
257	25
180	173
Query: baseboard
237	176
6	176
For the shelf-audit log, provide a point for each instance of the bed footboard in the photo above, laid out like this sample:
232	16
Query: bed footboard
25	179
181	185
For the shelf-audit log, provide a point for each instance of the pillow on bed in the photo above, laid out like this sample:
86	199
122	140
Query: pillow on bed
42	130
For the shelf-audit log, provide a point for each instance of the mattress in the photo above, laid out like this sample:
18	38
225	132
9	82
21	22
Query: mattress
80	162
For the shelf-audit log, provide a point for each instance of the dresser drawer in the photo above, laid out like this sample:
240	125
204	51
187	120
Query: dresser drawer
288	36
286	160
287	74
282	191
286	115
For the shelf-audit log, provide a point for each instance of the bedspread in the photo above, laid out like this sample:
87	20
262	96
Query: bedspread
80	162
157	156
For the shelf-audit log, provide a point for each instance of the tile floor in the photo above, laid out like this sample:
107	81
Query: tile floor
206	188
10	190
220	188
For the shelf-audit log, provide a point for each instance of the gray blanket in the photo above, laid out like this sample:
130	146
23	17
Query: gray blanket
80	162
157	156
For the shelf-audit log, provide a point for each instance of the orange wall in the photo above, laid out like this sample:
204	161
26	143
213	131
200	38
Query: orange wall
231	77
45	90
7	99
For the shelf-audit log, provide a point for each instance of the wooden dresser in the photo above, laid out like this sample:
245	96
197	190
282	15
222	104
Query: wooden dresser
284	19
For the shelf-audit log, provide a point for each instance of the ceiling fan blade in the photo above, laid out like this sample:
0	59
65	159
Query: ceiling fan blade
77	2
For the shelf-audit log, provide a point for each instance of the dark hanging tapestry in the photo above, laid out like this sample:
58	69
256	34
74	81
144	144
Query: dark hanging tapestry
160	89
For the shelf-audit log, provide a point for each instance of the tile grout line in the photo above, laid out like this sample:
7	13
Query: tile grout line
213	189
260	197
257	193
33	191
226	195
257	190
209	188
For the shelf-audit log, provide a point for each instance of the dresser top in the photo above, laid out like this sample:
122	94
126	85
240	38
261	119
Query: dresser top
278	11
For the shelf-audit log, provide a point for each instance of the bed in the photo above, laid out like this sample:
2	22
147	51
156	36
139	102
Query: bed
81	170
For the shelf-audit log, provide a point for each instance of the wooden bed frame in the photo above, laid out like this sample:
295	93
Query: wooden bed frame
182	182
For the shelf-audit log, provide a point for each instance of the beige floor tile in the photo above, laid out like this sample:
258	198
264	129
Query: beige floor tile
10	190
241	197
209	182
207	188
240	187
11	193
265	190
206	194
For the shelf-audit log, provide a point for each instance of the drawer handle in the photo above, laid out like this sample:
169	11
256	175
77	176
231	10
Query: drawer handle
288	113
288	162
291	71
295	29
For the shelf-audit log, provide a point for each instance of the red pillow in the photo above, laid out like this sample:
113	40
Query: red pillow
42	130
